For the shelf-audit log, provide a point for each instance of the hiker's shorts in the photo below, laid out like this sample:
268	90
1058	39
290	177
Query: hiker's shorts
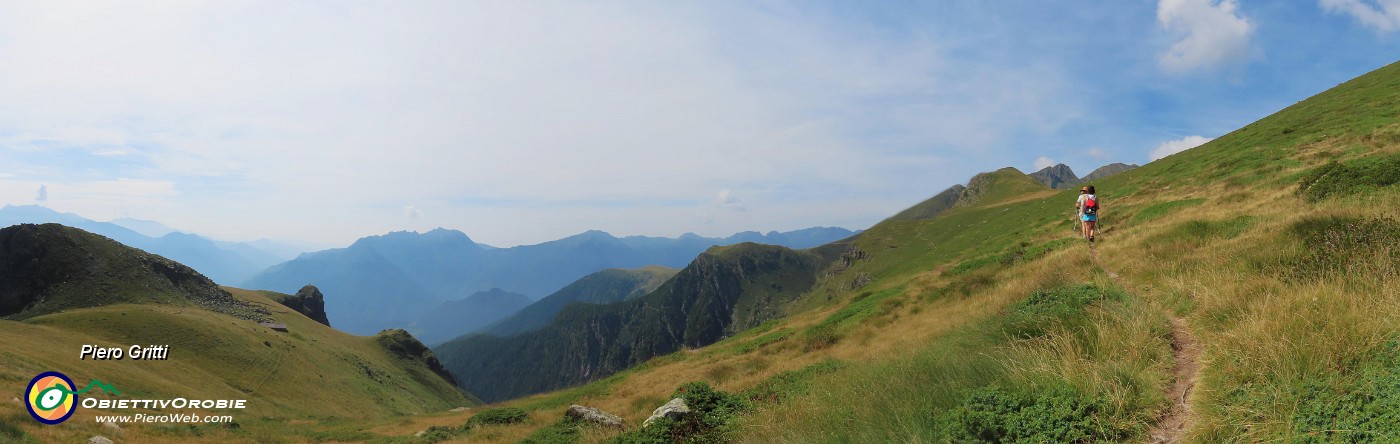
1090	217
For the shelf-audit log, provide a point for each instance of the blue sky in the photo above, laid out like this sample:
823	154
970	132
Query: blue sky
520	122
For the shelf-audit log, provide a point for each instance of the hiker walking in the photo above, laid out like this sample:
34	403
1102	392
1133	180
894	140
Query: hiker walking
1088	208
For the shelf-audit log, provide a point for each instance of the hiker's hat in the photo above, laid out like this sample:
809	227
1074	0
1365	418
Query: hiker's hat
1083	189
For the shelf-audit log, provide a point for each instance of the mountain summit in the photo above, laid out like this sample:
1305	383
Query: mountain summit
1057	176
1060	176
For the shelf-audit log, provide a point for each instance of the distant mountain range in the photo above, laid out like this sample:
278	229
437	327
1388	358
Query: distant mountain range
225	262
603	287
1060	176
722	291
455	318
392	280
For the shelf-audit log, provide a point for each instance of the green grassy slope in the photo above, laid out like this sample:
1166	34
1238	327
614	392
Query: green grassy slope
932	206
93	291
1289	299
49	268
990	321
724	290
311	372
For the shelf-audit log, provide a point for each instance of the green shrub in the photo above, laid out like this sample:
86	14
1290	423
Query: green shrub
819	336
441	433
1053	415
1363	409
1349	245
711	418
1045	310
498	416
1336	179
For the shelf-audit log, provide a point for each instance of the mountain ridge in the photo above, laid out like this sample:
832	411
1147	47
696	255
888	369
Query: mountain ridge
441	265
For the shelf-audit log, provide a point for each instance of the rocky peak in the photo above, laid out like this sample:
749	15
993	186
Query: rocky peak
310	302
1058	176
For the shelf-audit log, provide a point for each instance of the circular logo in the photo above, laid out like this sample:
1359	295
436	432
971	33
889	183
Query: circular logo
50	398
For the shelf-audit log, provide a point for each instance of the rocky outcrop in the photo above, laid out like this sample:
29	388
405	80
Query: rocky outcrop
593	416
674	410
405	346
978	186
308	301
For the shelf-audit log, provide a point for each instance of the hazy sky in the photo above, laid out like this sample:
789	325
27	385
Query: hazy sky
523	121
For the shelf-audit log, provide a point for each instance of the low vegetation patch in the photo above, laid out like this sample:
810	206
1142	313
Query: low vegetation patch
763	341
711	419
498	416
565	431
791	383
12	433
1047	310
1335	245
1155	211
1022	252
1060	414
1361	409
1341	179
1076	363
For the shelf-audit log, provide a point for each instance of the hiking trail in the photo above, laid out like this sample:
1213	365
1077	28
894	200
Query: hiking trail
1186	357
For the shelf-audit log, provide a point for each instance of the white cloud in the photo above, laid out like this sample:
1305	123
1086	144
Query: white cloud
1097	153
323	112
1381	15
727	199
1043	162
410	212
1212	34
1175	146
98	200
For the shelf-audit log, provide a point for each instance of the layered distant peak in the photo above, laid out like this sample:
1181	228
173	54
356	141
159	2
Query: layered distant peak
1058	176
50	268
590	235
147	228
1108	170
453	318
436	236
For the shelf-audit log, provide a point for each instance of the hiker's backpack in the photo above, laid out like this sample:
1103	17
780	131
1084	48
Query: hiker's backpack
1091	206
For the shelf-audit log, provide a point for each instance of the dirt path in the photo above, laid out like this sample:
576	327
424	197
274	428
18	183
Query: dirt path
1186	356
